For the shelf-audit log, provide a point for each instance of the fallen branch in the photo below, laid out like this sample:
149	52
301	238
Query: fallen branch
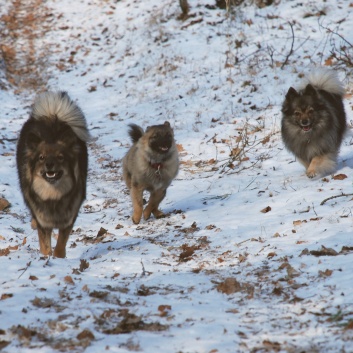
334	197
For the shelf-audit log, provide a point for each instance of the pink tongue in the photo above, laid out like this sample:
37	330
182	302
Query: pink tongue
306	128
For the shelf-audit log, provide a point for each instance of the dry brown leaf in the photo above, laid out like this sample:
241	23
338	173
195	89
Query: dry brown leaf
69	280
326	273
271	255
4	252
339	177
85	335
324	252
266	209
265	140
229	286
164	310
329	62
33	278
4	204
6	296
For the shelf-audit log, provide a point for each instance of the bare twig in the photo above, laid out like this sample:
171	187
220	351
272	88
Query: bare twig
337	34
291	48
334	197
24	269
143	270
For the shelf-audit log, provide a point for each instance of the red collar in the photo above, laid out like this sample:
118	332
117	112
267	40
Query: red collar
156	166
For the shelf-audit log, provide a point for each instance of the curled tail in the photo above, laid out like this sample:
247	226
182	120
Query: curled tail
58	105
326	80
135	132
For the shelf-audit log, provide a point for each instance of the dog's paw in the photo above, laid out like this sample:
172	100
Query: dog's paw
158	214
136	220
311	173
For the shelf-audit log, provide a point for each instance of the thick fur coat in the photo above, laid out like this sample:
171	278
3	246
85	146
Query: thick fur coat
150	164
314	122
52	162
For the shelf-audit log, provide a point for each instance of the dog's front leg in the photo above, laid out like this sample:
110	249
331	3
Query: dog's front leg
44	236
137	202
322	165
60	248
155	199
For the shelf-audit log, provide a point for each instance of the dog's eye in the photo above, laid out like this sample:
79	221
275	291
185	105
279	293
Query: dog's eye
311	110
297	114
60	157
41	157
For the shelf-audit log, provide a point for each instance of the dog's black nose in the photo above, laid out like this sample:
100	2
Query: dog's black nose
305	122
49	165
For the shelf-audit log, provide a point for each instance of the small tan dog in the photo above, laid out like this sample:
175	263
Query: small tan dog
150	164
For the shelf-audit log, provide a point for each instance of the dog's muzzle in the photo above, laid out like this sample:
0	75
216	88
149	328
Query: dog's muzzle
52	176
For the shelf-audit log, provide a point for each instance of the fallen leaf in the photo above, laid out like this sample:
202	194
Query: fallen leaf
85	335
69	280
229	286
164	310
83	265
339	177
271	255
325	273
6	296
4	204
266	209
324	252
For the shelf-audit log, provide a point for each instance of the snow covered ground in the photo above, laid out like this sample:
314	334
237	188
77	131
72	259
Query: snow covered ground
253	256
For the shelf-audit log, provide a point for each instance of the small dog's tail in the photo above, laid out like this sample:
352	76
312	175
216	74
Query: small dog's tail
135	132
58	105
326	80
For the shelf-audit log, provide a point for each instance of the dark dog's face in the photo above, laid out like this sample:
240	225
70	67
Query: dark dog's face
51	163
52	170
303	109
160	138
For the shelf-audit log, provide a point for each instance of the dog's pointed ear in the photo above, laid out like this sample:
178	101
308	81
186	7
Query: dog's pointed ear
310	91
166	123
33	140
292	93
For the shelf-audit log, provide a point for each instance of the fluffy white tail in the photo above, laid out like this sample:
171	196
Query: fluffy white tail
58	105
327	80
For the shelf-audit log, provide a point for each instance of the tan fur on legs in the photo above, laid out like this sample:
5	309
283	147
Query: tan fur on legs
155	199
60	249
137	203
321	165
151	164
44	236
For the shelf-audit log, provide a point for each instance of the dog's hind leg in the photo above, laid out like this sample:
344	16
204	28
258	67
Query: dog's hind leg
60	248
137	203
44	236
155	199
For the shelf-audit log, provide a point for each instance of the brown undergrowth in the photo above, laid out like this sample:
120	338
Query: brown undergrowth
23	49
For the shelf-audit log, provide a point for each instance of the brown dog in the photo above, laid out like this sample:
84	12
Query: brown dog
150	164
52	166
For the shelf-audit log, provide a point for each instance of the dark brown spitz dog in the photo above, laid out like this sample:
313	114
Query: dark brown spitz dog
151	164
52	164
314	122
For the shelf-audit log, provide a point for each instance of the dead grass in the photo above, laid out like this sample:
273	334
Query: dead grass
22	48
